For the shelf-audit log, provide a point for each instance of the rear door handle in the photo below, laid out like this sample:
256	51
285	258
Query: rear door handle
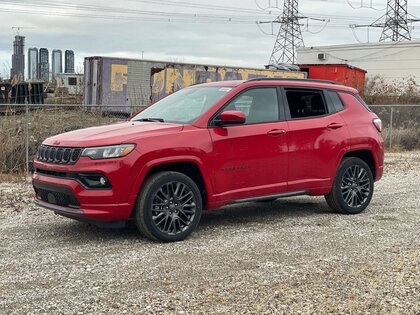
276	132
334	126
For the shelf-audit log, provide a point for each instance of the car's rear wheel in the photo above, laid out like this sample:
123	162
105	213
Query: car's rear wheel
169	207
353	187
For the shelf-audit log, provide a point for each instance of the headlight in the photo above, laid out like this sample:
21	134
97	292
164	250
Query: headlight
108	152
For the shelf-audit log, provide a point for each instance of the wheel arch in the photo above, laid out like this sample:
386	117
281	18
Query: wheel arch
187	168
366	156
187	165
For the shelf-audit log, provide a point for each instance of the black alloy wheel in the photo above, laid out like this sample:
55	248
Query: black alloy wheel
173	207
353	187
169	207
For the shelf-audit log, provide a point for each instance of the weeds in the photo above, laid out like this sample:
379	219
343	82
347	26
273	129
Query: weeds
379	90
42	123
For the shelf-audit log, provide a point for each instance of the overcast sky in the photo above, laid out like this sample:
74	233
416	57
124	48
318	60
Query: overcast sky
222	32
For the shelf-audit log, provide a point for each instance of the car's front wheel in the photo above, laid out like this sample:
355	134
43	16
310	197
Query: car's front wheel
169	207
353	187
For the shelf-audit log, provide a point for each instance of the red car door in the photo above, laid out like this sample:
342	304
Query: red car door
317	138
251	159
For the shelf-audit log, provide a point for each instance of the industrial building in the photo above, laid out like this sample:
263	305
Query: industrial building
70	83
119	81
18	58
391	60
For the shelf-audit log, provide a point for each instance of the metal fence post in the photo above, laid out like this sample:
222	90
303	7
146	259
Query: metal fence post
390	127
27	137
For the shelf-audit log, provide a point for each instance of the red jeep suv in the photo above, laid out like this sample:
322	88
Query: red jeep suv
213	144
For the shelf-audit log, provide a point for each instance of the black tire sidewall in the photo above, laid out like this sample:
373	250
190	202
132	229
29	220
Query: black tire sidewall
145	205
337	185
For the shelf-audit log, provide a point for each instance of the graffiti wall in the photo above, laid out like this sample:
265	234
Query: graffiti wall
123	82
174	78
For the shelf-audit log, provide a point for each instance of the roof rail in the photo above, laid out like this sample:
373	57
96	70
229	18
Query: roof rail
291	79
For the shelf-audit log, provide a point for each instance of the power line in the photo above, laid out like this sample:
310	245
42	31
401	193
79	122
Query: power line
106	12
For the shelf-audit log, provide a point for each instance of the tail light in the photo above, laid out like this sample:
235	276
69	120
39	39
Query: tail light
378	124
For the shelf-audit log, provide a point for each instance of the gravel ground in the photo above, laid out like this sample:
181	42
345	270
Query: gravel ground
290	256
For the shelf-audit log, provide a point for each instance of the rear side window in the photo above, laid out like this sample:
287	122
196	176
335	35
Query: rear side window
305	103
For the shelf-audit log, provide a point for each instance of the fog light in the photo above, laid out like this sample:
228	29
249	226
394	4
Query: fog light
93	180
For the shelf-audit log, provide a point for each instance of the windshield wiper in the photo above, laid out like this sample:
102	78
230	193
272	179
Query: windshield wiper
150	119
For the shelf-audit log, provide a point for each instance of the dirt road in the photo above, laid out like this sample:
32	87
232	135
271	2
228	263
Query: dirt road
290	256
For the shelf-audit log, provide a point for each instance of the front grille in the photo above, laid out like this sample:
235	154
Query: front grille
58	155
64	199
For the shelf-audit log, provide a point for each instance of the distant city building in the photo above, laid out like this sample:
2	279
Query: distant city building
44	65
57	62
69	61
33	64
18	57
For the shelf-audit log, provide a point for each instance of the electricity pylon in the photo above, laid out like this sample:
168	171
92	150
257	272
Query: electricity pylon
289	36
396	22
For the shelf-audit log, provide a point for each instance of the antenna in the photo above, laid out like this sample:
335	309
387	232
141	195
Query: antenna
18	28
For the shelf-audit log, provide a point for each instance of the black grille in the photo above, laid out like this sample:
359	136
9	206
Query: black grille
58	155
58	198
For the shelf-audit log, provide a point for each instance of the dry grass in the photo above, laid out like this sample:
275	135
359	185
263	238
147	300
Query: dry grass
379	90
43	123
405	126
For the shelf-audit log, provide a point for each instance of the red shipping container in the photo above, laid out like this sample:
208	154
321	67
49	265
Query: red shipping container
341	73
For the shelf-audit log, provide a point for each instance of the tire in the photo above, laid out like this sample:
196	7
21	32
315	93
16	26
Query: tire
168	207
352	189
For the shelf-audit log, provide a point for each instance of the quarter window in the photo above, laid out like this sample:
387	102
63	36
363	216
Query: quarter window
303	104
338	104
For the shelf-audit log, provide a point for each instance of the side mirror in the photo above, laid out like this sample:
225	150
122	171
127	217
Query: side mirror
230	117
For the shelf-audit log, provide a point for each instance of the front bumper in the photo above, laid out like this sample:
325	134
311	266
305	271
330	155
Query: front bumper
70	198
58	188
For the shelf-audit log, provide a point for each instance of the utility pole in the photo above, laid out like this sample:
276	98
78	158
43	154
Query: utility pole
289	36
396	22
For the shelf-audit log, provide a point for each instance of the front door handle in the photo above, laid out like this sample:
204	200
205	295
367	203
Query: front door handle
334	126
276	132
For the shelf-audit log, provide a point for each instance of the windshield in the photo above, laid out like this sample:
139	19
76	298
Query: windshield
184	106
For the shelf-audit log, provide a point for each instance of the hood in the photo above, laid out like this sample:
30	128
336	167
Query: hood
125	132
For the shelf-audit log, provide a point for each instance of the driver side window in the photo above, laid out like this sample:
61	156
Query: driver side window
259	105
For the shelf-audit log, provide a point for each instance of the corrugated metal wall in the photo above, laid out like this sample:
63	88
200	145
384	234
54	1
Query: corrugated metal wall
139	86
123	82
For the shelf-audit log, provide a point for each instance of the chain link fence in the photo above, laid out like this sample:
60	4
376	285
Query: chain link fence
24	127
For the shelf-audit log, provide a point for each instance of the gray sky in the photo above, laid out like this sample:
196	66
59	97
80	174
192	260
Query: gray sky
213	32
